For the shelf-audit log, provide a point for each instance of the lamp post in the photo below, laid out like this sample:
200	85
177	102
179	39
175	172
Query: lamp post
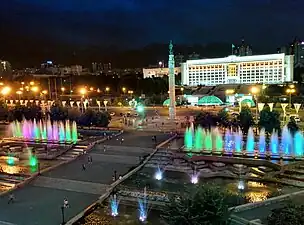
107	90
82	91
19	93
123	90
5	91
291	90
254	91
62	215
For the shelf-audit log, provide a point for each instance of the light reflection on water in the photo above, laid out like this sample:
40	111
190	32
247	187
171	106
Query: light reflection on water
127	215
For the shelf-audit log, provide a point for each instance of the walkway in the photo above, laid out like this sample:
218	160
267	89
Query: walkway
39	202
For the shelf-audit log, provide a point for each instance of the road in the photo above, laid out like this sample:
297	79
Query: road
39	202
163	111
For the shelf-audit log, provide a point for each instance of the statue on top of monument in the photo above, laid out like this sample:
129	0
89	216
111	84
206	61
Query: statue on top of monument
170	48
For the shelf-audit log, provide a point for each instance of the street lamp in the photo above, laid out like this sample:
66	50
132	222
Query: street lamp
19	93
229	91
124	90
6	90
107	89
82	91
130	92
254	91
32	83
290	91
62	89
35	89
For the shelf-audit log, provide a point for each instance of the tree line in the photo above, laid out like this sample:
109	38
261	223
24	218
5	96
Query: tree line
269	120
56	113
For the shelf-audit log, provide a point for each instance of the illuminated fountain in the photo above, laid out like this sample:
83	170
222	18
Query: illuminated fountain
211	141
143	207
44	130
114	205
250	141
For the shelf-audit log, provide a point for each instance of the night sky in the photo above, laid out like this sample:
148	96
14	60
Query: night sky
136	23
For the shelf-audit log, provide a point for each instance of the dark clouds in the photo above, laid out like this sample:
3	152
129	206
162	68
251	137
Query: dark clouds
139	22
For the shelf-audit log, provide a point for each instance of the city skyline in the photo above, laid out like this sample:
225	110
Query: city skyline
37	28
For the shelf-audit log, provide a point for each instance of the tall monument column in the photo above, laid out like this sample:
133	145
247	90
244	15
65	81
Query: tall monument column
172	109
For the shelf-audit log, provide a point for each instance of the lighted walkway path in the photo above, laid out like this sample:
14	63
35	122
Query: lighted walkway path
39	202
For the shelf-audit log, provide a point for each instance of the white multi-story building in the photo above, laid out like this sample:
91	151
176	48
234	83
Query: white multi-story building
266	69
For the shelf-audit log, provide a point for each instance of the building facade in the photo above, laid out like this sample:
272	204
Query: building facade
159	72
264	69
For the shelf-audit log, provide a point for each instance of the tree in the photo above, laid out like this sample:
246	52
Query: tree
201	205
58	112
73	114
292	125
92	118
206	120
246	119
223	118
288	215
270	120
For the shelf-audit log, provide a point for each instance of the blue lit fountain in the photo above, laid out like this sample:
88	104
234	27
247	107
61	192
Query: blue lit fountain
211	141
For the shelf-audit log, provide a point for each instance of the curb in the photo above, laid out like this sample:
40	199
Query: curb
35	175
269	201
85	212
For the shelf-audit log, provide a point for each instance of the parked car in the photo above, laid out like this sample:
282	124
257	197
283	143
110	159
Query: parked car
112	113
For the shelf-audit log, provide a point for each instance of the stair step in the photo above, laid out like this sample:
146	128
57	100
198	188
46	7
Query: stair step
81	146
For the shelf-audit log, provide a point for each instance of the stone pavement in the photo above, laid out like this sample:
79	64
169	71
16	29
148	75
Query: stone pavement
39	202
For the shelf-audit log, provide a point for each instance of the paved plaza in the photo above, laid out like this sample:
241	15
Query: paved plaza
40	201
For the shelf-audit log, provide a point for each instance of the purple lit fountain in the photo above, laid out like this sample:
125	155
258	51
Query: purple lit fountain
44	130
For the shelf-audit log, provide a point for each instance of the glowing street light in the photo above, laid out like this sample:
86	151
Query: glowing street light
107	89
82	91
229	91
291	90
62	89
124	90
35	89
44	92
91	89
19	93
32	83
254	91
6	90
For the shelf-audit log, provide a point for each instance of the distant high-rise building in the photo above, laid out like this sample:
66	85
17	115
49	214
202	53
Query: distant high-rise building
193	56
179	59
94	67
5	69
243	49
299	53
107	66
295	48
